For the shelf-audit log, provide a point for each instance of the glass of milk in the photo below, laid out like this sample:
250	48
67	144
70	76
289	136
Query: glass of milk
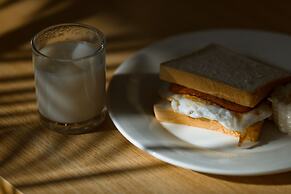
69	70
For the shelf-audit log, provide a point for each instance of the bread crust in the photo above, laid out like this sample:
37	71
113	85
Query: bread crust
223	73
165	114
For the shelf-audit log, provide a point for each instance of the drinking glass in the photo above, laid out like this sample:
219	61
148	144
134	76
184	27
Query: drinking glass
69	71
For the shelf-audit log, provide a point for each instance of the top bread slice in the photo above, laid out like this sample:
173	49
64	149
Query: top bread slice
223	73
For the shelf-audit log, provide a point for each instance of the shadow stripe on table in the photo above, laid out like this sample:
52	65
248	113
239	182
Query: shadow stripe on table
100	174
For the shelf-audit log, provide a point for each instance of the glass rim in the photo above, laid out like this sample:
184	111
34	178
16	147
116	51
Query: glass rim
97	32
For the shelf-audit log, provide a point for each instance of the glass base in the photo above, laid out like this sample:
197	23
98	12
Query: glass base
74	128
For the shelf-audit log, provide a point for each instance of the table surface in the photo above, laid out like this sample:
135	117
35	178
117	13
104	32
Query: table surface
36	160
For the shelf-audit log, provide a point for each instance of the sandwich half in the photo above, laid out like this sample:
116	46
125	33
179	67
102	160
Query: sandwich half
216	88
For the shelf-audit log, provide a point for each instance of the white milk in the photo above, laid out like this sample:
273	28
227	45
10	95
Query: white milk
70	91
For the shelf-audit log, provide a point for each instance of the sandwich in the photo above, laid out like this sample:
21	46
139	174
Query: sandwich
218	89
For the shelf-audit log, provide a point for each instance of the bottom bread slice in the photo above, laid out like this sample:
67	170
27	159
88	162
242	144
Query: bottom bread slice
164	113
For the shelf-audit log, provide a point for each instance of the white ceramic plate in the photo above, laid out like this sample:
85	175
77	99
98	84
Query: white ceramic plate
133	90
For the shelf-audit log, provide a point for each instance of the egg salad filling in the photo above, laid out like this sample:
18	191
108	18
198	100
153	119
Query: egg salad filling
198	108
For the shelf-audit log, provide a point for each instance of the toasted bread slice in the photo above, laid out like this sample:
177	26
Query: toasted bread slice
164	113
225	74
